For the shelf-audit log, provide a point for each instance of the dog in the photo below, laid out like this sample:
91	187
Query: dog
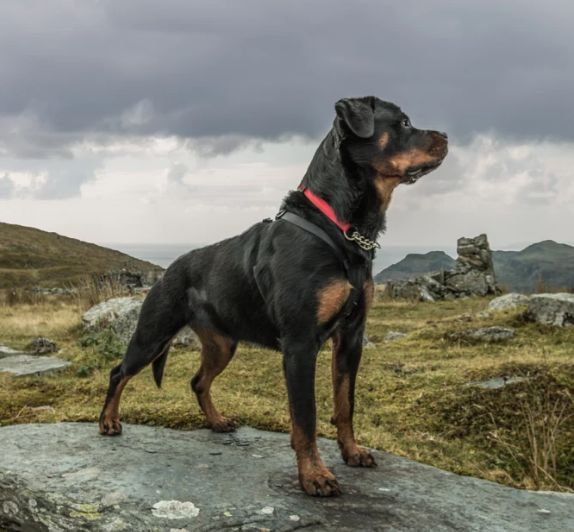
292	283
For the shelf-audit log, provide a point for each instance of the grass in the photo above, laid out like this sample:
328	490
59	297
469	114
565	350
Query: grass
413	397
31	257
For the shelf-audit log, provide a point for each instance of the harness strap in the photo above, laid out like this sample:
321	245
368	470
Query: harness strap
353	273
299	221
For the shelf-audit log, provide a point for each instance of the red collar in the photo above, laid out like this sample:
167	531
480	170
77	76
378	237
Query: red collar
325	208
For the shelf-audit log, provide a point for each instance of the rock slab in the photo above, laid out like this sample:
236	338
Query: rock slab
66	477
22	365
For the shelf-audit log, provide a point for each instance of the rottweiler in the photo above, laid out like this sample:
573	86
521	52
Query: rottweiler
292	283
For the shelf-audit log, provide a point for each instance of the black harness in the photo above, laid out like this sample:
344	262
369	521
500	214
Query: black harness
356	270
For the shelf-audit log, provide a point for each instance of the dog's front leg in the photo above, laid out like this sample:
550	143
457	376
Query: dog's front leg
299	366
347	351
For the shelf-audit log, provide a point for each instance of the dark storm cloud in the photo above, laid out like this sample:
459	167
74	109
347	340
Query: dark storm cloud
260	69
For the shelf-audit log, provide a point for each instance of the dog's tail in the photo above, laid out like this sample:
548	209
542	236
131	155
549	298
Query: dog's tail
158	366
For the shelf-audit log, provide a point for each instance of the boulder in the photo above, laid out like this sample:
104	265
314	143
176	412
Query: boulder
508	302
121	315
551	309
65	476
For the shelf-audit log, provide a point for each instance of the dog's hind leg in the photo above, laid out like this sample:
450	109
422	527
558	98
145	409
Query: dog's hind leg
160	319
216	353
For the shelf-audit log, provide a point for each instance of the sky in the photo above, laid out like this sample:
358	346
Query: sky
186	121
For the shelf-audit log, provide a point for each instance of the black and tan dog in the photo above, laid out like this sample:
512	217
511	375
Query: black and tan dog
292	283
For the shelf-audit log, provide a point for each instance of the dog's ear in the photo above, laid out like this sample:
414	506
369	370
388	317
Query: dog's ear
358	114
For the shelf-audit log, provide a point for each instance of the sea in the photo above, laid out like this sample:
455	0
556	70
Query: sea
164	254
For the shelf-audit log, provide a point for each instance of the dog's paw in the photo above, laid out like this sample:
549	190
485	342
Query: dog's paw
110	426
223	424
319	482
359	457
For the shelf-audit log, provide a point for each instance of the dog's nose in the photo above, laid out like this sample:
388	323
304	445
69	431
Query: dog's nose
443	135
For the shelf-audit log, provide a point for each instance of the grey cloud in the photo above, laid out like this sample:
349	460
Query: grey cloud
63	177
211	70
6	187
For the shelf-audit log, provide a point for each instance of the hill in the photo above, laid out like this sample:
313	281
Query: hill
415	265
545	265
31	257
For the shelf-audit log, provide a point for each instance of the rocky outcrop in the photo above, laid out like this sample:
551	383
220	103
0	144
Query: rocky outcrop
152	478
472	275
120	315
551	309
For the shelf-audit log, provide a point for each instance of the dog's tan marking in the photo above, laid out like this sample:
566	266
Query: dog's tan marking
314	476
385	187
343	414
216	353
401	162
332	297
383	141
110	419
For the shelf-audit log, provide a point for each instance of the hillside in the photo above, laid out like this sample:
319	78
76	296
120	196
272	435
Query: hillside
414	265
545	265
31	257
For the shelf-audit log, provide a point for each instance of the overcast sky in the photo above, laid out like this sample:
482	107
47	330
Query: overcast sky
187	121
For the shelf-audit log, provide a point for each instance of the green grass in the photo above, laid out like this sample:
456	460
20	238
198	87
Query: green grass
412	395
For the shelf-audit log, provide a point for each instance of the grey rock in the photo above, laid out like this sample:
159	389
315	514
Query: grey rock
497	382
508	302
6	351
168	480
393	336
551	309
42	346
121	314
488	334
21	365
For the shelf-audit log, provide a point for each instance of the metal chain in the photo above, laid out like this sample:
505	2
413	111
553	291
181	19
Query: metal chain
362	241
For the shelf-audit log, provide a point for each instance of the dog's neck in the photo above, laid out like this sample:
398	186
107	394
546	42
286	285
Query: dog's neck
348	188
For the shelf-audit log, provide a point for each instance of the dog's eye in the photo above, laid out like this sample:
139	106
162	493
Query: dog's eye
406	123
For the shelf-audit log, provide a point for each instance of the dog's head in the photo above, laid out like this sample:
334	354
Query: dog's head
379	136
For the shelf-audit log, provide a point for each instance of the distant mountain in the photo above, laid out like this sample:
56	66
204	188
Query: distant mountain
546	265
31	257
541	266
414	265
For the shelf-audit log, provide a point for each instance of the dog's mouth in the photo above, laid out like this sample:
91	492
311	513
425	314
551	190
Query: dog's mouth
414	174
